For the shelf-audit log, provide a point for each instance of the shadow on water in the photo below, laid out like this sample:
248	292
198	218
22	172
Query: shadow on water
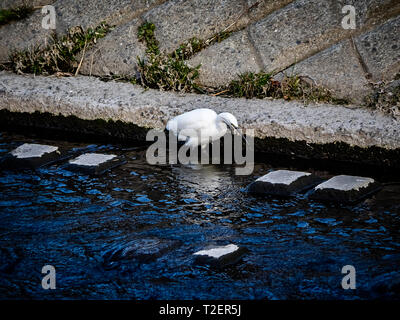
130	234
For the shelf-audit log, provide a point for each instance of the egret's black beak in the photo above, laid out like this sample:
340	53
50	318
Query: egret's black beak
234	129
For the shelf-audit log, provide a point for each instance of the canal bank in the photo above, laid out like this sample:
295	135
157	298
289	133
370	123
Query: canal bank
115	111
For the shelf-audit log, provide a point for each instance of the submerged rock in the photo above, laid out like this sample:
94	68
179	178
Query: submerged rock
284	183
139	250
386	285
345	189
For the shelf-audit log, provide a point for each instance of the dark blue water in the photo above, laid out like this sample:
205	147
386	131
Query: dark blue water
297	247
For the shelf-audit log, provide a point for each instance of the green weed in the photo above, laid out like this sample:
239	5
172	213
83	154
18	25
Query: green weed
60	55
14	14
262	85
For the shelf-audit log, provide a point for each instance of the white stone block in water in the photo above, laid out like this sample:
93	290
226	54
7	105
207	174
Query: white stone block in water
32	150
346	189
219	256
32	156
284	182
94	163
218	252
92	159
282	176
345	183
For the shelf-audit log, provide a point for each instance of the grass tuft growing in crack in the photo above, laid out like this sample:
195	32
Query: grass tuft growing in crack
146	35
253	85
296	87
189	48
60	55
194	45
165	71
14	14
262	85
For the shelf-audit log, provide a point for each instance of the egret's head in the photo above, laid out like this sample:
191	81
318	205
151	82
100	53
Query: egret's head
229	119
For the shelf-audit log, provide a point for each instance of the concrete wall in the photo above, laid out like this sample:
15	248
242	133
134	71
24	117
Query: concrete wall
302	36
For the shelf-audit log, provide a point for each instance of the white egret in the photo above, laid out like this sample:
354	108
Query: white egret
202	126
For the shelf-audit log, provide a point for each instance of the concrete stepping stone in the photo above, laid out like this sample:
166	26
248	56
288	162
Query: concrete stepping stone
220	256
346	189
32	155
94	163
284	183
142	250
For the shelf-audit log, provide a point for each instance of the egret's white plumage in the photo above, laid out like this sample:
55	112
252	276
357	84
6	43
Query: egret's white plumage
201	126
